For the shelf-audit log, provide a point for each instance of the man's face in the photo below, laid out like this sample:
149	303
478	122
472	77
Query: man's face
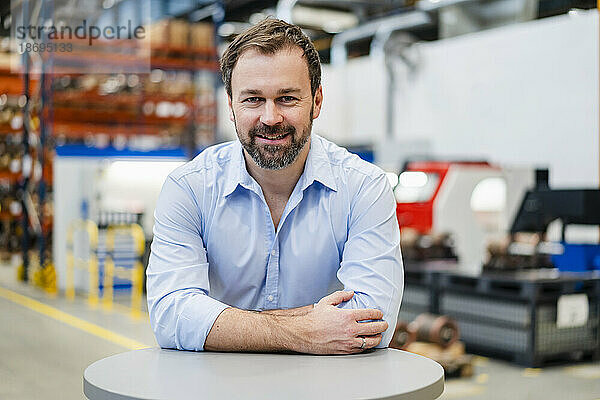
272	106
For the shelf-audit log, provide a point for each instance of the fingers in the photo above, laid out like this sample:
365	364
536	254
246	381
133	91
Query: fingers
372	328
366	313
370	342
336	298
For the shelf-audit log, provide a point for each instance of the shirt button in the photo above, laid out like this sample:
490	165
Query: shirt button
273	252
270	298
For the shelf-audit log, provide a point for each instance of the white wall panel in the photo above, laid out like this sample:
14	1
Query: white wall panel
521	94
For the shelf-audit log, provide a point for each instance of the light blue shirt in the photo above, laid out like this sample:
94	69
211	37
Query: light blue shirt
215	244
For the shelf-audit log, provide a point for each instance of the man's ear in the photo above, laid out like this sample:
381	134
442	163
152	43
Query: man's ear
231	117
318	102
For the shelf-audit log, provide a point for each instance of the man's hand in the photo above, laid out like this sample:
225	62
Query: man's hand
327	329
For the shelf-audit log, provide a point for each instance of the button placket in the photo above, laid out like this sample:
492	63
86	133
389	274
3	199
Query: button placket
273	275
272	282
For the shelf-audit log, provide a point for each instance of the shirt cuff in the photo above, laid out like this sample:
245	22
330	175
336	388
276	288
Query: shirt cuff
196	321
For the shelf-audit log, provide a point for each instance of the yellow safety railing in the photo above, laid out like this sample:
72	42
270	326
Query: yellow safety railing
135	274
91	263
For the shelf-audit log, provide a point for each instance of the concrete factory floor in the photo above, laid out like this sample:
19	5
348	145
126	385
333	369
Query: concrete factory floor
46	343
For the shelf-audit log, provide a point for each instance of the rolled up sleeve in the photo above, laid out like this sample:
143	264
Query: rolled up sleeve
181	310
371	261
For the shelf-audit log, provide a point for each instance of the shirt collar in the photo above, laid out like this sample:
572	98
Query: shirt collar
317	168
237	173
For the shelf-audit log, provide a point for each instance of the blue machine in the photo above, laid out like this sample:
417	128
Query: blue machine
578	257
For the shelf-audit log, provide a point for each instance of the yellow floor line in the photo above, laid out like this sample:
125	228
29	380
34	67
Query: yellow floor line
71	320
482	378
531	372
460	390
480	361
584	371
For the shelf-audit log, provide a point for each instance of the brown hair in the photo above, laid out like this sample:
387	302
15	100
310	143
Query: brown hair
268	37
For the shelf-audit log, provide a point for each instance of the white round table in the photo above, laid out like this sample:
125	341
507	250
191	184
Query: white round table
171	374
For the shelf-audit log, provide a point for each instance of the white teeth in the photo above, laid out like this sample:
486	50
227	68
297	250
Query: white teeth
275	137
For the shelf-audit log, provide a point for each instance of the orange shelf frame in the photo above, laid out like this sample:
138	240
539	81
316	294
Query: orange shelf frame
9	176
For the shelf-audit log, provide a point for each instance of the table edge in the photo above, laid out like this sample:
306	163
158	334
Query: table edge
432	391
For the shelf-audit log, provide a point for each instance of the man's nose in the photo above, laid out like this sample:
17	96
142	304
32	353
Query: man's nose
271	115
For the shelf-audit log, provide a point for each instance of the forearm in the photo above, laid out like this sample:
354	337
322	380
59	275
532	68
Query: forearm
324	329
290	312
240	330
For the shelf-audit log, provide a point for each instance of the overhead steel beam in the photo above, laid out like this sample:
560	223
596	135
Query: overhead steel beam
429	5
353	3
379	27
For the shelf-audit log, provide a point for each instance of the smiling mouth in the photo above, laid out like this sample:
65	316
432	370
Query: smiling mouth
273	137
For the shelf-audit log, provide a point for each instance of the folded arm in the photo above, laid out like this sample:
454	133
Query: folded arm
184	316
324	329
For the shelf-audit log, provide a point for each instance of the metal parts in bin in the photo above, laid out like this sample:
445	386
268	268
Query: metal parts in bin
403	336
437	329
429	328
511	315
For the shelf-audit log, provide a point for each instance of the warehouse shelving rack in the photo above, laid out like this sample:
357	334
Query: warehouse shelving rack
13	87
61	113
124	116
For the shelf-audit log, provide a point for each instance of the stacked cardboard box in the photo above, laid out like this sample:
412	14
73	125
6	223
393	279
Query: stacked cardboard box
201	36
159	33
180	34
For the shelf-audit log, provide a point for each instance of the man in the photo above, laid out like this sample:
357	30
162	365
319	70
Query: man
253	237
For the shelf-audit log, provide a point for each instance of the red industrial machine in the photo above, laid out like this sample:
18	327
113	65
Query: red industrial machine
418	214
451	209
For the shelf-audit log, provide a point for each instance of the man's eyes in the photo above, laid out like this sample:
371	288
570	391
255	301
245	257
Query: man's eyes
287	99
252	100
282	99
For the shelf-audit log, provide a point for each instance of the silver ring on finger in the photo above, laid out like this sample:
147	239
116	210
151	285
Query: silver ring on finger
362	346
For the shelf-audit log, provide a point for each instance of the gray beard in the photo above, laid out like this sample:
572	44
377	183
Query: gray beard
275	157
